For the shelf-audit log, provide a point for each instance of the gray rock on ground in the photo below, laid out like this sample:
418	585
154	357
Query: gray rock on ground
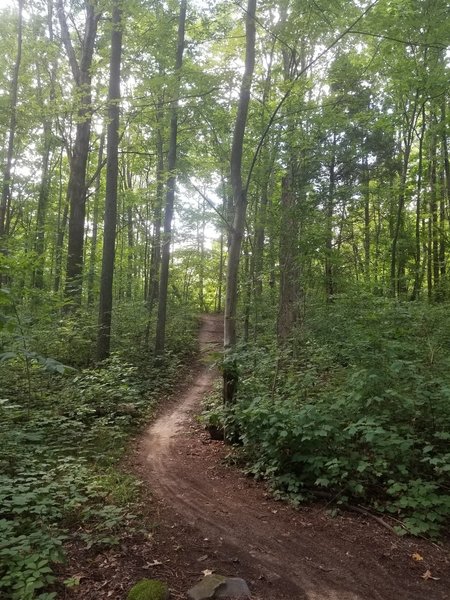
214	587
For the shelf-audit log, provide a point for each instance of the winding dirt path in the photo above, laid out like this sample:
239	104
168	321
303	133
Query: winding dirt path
285	554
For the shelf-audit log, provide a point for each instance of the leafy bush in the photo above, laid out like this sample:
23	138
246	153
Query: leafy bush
61	436
358	405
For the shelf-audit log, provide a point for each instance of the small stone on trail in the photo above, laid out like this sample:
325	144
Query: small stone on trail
218	586
206	588
234	588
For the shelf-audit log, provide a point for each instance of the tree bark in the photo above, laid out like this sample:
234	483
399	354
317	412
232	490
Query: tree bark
288	312
397	262
5	203
95	216
230	375
155	258
60	231
329	275
160	338
417	273
76	189
112	174
44	187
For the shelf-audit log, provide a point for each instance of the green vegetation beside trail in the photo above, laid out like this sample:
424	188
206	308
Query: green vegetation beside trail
61	436
357	404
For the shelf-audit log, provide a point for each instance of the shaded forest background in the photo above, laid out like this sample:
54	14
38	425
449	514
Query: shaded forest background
119	129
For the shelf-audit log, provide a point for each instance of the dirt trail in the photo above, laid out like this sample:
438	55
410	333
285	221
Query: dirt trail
285	554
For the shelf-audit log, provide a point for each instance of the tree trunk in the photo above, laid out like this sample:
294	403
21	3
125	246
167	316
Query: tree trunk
417	258
160	338
44	191
95	215
230	375
5	203
434	215
329	276
112	174
155	259
60	231
288	312
366	184
44	187
76	189
130	253
398	228
397	262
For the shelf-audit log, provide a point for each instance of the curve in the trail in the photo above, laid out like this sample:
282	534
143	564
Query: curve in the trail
300	561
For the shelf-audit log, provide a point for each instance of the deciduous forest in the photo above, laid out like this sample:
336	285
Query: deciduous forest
283	165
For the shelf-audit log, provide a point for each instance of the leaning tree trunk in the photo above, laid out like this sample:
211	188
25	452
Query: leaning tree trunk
76	189
5	202
160	339
230	376
112	173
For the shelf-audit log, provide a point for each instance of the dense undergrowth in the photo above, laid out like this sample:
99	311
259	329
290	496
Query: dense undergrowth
62	432
356	405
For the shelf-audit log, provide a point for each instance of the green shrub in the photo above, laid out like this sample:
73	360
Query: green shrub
148	589
61	437
358	405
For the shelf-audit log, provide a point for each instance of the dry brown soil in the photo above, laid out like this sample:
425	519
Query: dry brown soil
208	516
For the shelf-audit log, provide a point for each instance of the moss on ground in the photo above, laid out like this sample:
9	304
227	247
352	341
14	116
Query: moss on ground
149	589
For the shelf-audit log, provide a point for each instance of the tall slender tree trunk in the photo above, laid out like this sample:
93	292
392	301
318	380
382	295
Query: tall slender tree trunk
5	202
230	375
155	258
367	241
434	216
445	153
44	191
288	312
397	259
130	253
76	189
398	228
112	174
218	306
442	231
417	258
63	215
329	275
289	300
44	187
201	251
95	218
160	338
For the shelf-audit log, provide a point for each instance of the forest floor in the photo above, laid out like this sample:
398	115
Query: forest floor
203	515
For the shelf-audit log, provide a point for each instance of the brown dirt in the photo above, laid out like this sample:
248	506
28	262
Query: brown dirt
200	514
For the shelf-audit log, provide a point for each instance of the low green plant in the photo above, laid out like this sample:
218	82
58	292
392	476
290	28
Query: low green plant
356	406
59	480
149	589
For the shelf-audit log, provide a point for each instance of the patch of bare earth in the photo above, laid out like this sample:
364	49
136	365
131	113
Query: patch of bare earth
201	515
